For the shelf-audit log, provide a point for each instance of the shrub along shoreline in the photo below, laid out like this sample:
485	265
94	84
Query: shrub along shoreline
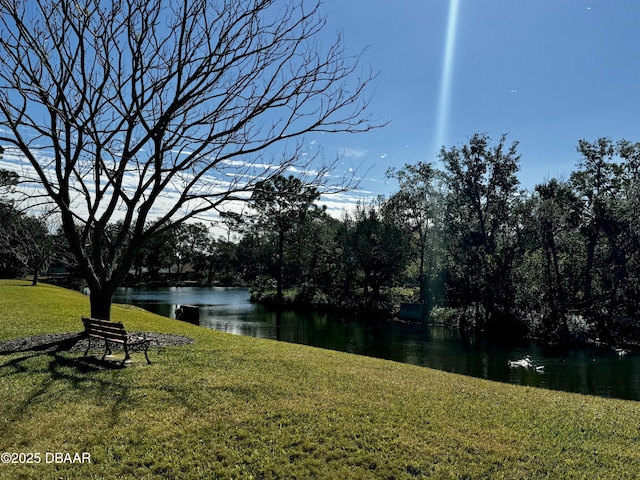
238	407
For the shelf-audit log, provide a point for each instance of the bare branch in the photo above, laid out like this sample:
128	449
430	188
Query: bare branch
117	104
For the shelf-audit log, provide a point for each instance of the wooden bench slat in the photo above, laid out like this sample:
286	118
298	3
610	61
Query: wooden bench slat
108	337
106	331
115	326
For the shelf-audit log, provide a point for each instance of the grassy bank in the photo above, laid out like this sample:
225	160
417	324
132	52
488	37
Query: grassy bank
238	407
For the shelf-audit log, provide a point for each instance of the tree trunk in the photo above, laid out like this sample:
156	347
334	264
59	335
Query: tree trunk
588	270
280	266
101	304
210	272
421	276
557	297
560	290
618	262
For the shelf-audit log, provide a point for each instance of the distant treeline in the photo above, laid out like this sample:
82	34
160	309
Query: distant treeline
560	262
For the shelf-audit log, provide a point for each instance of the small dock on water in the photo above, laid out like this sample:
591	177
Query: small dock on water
188	313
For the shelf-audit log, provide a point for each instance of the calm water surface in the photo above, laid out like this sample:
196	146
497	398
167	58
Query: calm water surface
584	370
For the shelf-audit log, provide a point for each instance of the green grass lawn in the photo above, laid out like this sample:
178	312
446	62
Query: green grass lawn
238	407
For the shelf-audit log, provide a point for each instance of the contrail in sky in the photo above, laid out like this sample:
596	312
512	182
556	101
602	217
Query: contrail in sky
445	81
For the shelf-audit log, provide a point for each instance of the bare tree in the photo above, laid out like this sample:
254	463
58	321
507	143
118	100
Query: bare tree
26	239
151	112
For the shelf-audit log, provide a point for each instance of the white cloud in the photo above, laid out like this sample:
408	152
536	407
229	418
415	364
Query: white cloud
355	153
232	176
182	152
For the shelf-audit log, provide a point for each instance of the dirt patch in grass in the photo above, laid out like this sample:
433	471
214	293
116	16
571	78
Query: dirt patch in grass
76	342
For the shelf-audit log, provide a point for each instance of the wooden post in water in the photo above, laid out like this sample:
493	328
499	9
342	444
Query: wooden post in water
188	313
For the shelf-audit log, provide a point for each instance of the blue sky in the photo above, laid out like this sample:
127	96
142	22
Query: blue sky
545	72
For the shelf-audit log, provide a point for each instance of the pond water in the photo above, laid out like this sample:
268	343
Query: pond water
588	370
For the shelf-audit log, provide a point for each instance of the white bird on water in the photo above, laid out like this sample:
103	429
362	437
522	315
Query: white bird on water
526	363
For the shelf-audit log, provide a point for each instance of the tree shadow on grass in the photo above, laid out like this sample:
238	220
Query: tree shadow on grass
52	378
85	364
42	343
73	374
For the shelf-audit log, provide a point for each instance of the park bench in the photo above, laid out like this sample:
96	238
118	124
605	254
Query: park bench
114	332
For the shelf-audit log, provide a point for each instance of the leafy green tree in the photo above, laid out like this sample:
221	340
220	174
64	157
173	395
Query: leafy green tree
380	249
155	255
550	281
630	238
597	182
318	252
418	206
349	273
8	180
607	181
481	236
282	205
220	257
255	255
188	241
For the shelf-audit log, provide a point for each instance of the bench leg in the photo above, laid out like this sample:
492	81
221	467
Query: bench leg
88	347
107	350
146	356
